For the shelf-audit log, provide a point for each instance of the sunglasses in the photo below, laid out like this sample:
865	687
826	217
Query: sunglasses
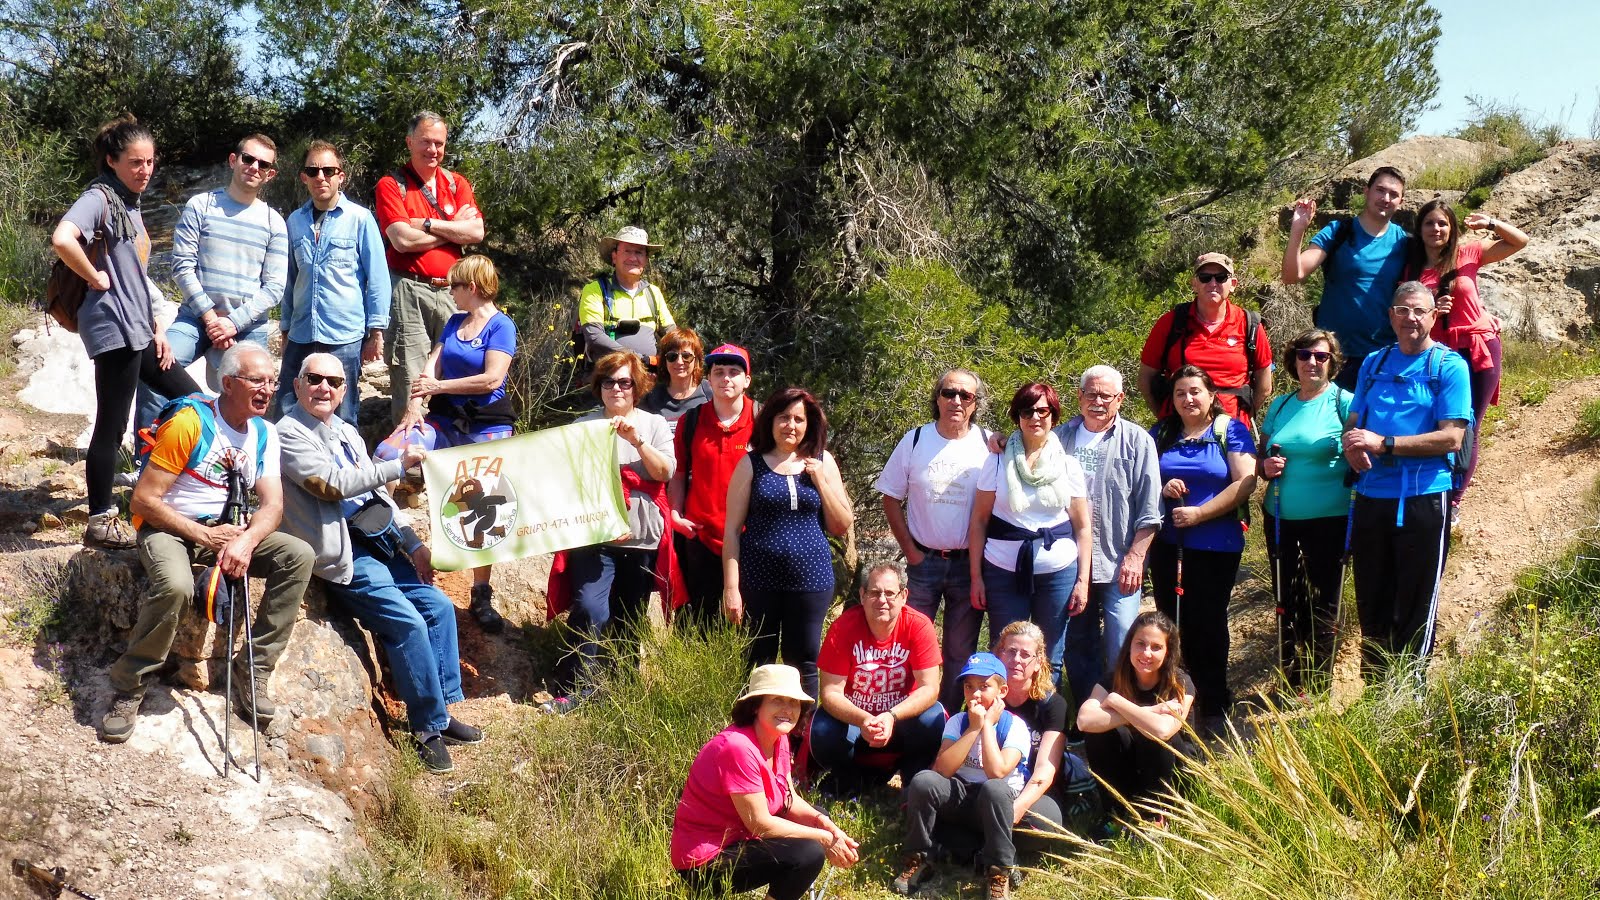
957	394
1211	277
266	165
1320	356
616	384
316	378
460	284
325	171
1038	412
673	356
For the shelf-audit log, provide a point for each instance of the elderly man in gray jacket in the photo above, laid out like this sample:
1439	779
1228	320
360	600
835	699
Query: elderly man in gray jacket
1123	469
369	557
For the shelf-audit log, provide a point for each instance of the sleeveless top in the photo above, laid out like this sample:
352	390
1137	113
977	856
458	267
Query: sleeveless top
783	547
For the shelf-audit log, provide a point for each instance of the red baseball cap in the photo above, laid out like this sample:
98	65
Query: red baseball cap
729	355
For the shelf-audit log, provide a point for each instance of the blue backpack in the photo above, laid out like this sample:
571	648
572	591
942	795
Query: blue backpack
1458	460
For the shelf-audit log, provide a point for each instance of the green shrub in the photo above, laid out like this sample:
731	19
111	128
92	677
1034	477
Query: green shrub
35	179
1589	421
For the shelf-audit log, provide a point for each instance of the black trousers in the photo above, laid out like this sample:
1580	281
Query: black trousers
117	374
1400	549
1130	762
1201	614
702	578
790	621
1309	563
787	867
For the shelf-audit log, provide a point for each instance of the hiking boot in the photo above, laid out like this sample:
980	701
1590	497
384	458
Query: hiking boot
459	732
482	609
914	871
999	883
117	724
107	531
265	711
434	754
558	706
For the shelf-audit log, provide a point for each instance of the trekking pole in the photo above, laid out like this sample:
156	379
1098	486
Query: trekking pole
1177	588
236	511
50	882
1350	480
227	696
250	659
1274	452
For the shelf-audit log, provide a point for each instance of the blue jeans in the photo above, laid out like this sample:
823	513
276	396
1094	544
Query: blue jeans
597	574
188	339
295	353
915	741
950	580
1046	608
416	623
1091	649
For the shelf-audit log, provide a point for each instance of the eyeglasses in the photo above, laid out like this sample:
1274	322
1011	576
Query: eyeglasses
460	284
881	594
325	171
1038	412
316	378
957	394
1210	277
617	384
1019	654
265	381
1410	312
1100	397
673	356
266	165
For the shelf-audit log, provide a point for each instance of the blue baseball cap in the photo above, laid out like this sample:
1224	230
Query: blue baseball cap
986	664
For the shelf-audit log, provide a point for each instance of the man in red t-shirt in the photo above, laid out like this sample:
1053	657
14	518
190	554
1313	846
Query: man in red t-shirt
879	686
427	214
709	442
1213	338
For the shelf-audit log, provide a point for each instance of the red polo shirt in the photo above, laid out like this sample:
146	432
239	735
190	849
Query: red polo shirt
1218	349
709	454
454	194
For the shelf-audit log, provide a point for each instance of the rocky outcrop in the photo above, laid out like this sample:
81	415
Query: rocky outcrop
1550	290
1412	157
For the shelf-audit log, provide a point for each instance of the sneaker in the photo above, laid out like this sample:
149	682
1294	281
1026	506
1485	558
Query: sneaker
482	609
117	724
107	531
558	706
999	883
434	754
125	479
459	732
265	711
914	871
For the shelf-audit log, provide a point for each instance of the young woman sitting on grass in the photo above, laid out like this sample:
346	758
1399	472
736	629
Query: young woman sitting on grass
1133	716
740	822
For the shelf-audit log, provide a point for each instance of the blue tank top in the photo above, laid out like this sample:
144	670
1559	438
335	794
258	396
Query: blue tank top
783	546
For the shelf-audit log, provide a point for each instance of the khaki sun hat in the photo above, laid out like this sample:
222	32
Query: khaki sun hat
776	680
1214	259
629	234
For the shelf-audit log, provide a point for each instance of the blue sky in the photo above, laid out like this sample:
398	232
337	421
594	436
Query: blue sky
1538	54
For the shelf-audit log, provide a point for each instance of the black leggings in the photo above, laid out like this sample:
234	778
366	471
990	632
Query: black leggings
1311	566
117	374
1131	763
786	866
1201	614
792	621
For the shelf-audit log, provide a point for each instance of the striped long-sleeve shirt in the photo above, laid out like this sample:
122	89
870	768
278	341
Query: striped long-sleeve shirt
231	257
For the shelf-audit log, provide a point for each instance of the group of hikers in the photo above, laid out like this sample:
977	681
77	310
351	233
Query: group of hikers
1045	534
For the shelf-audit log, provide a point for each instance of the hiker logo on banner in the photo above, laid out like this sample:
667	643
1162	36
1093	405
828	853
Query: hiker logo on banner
481	510
534	493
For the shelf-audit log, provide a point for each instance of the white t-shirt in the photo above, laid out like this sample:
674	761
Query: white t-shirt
1063	553
201	490
1018	739
1090	452
937	478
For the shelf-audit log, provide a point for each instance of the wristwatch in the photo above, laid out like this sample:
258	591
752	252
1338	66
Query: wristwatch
1388	445
427	225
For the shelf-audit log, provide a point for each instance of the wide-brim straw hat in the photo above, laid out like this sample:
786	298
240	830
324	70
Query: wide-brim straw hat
630	234
776	680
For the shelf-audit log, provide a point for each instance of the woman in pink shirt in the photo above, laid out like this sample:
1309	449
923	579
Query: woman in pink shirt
1447	260
740	824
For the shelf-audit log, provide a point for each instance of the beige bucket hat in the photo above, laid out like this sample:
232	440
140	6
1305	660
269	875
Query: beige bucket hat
628	234
776	680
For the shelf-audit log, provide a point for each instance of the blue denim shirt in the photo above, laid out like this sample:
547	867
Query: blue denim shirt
338	285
